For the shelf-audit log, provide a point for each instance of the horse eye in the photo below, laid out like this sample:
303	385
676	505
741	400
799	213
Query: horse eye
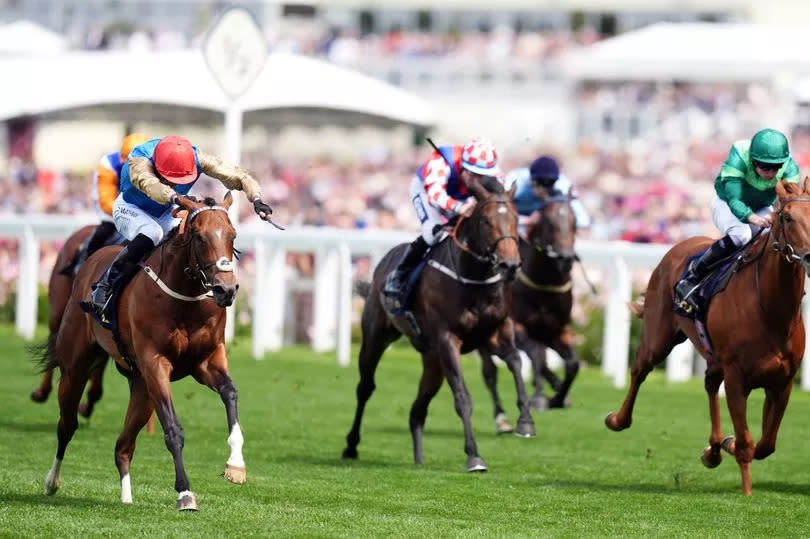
788	218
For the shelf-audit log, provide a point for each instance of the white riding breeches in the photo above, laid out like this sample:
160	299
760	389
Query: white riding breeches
130	220
739	232
429	216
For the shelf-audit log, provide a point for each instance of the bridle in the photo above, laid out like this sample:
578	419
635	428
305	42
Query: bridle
489	255
196	269
780	243
548	248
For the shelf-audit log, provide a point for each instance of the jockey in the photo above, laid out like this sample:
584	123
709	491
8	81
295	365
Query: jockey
745	190
105	189
544	176
155	175
439	192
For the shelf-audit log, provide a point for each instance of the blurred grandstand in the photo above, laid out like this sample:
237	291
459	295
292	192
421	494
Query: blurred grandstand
639	100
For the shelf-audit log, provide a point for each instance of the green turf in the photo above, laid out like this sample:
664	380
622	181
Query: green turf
576	478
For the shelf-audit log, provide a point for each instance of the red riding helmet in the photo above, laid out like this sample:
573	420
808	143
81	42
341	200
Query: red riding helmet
175	160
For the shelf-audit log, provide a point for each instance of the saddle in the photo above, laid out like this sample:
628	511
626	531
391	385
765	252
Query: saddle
715	281
72	268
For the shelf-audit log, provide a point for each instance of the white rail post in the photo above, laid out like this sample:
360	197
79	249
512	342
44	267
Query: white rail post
344	330
680	362
269	297
26	315
233	152
325	301
616	338
260	305
805	381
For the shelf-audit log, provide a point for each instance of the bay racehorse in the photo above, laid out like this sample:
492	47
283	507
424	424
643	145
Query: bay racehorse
459	304
542	297
755	326
170	324
60	284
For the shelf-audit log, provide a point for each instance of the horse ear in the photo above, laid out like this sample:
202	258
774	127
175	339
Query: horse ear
512	190
781	189
806	184
228	200
477	189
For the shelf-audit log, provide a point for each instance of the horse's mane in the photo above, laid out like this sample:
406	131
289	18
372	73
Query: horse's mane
492	184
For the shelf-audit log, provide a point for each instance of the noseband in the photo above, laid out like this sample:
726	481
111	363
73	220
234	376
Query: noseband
780	244
489	255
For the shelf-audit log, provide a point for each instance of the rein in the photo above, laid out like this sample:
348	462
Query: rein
194	270
489	256
781	245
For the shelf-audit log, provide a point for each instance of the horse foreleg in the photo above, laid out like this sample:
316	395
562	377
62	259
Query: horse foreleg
447	350
711	456
565	348
490	373
773	410
214	373
429	385
139	411
743	448
502	344
95	390
158	378
537	355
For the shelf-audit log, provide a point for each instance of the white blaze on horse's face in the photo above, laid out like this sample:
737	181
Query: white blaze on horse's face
503	209
223	264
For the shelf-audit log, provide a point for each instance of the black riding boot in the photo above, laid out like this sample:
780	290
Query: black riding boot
396	279
122	268
699	268
102	233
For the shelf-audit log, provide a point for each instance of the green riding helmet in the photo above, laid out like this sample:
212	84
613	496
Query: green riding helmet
769	146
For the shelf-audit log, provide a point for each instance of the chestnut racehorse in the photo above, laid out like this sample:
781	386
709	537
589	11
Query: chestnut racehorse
460	304
171	324
755	326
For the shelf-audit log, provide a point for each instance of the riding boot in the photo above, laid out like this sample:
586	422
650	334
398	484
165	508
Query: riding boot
122	268
396	279
700	267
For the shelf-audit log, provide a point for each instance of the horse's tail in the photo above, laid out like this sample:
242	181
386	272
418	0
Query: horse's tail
637	307
362	288
44	354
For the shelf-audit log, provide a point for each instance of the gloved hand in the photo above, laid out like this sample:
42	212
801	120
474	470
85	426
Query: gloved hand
467	207
262	210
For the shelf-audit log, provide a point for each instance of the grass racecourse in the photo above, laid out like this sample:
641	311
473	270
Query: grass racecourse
575	479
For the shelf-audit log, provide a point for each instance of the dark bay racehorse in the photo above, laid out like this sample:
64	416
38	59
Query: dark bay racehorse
59	287
171	323
542	298
755	326
460	304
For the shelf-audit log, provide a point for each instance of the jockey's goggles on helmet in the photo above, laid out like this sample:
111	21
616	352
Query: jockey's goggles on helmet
767	166
544	182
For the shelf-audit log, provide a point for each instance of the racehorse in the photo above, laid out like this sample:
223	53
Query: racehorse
542	298
170	324
459	304
59	287
755	326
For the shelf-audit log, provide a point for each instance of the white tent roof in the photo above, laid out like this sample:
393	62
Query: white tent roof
26	37
695	51
49	84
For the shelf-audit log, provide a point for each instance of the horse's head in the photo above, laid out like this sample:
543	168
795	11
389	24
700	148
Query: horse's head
209	235
554	231
492	235
791	227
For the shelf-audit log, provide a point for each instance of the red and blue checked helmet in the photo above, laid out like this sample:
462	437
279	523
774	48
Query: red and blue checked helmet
479	156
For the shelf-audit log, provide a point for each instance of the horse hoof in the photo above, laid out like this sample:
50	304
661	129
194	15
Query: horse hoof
38	395
525	430
84	410
612	424
538	404
235	474
709	459
350	453
51	488
728	444
187	501
502	425
476	464
556	403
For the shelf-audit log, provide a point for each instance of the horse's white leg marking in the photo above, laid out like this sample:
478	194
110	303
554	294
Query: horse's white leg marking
126	489
235	440
52	480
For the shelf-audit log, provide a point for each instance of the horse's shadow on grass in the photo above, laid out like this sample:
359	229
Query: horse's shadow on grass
49	427
56	501
692	488
337	462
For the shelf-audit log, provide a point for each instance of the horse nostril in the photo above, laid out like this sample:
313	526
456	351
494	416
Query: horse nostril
806	259
218	289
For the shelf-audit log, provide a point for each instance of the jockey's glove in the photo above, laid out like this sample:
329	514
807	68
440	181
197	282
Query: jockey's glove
262	209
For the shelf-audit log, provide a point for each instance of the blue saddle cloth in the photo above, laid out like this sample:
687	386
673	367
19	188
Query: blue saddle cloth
407	296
